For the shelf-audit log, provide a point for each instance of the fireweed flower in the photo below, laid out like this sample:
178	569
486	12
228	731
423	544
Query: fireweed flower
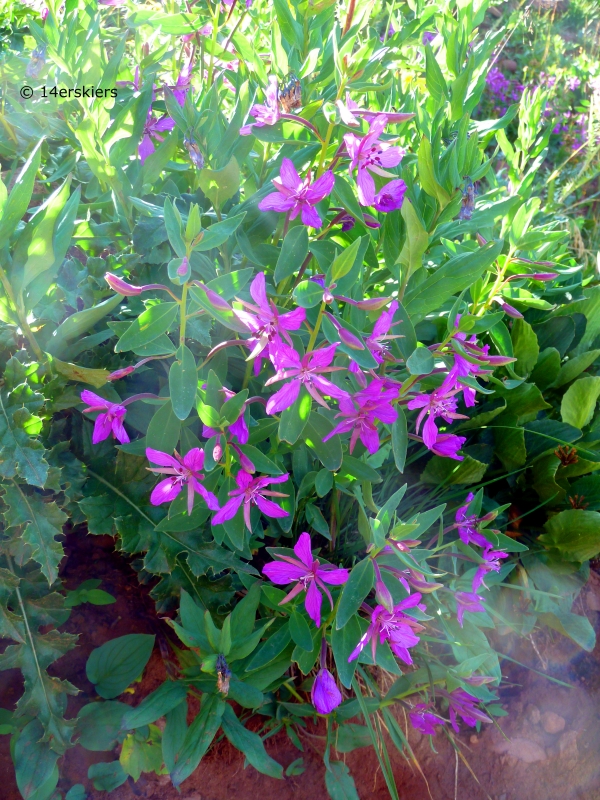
350	113
394	627
360	413
152	131
464	705
325	694
183	83
491	563
391	197
267	114
310	576
467	525
182	472
447	445
376	341
423	720
440	403
467	601
107	423
306	371
369	154
297	196
239	428
265	322
252	491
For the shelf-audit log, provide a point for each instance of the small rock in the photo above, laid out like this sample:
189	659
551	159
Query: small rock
526	750
534	714
509	65
567	744
473	739
552	723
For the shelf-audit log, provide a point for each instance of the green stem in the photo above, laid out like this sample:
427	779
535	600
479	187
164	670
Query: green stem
182	315
215	31
313	336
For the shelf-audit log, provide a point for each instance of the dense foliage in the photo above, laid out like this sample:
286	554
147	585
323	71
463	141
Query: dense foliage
289	314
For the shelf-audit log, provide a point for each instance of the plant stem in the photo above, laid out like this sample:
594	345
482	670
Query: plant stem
313	336
182	315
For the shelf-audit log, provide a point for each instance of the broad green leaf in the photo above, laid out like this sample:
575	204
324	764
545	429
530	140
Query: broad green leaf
347	197
260	460
174	226
350	737
308	294
575	533
343	263
358	469
450	472
142	754
115	664
34	760
400	440
299	631
358	586
339	782
220	185
293	252
436	83
163	430
574	367
79	323
427	174
198	738
151	323
174	734
20	194
99	724
525	347
420	362
295	418
43	522
107	775
343	642
416	242
183	382
164	699
270	649
73	372
329	453
40	253
218	234
579	401
250	744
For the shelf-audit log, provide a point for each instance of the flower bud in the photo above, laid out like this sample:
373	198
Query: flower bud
120	373
183	267
373	303
371	222
383	595
480	240
327	297
216	300
499	361
246	464
508	309
325	694
122	287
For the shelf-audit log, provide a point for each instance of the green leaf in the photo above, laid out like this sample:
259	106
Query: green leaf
107	775
43	522
269	650
183	382
358	586
339	782
416	243
174	734
295	418
218	234
574	367
198	738
358	469
34	760
288	25
307	294
525	347
343	263
350	737
142	754
420	362
579	401
436	83
250	744
163	430
232	408
447	471
174	226
151	323
299	631
220	185
457	274
427	174
575	533
80	322
329	453
293	252
323	482
260	460
21	453
115	664
400	440
99	724
40	253
20	194
343	642
164	699
347	198
76	792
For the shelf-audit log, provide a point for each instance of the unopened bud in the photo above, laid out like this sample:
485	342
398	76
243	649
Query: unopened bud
371	222
499	361
327	297
383	595
348	338
373	303
480	240
121	373
183	267
216	300
508	309
122	287
246	464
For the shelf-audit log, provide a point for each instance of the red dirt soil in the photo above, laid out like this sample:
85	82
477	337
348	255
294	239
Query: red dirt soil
551	750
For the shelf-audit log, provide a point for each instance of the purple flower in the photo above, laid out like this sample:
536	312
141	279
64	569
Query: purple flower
251	491
297	196
447	445
511	311
266	324
428	37
310	575
467	525
424	721
153	130
376	340
306	371
440	403
183	472
391	197
122	287
573	83
183	82
360	412
497	83
394	627
369	153
325	694
464	705
350	113
491	563
467	601
238	428
269	113
110	421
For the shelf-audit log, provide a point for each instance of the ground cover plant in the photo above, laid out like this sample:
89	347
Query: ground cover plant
285	311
